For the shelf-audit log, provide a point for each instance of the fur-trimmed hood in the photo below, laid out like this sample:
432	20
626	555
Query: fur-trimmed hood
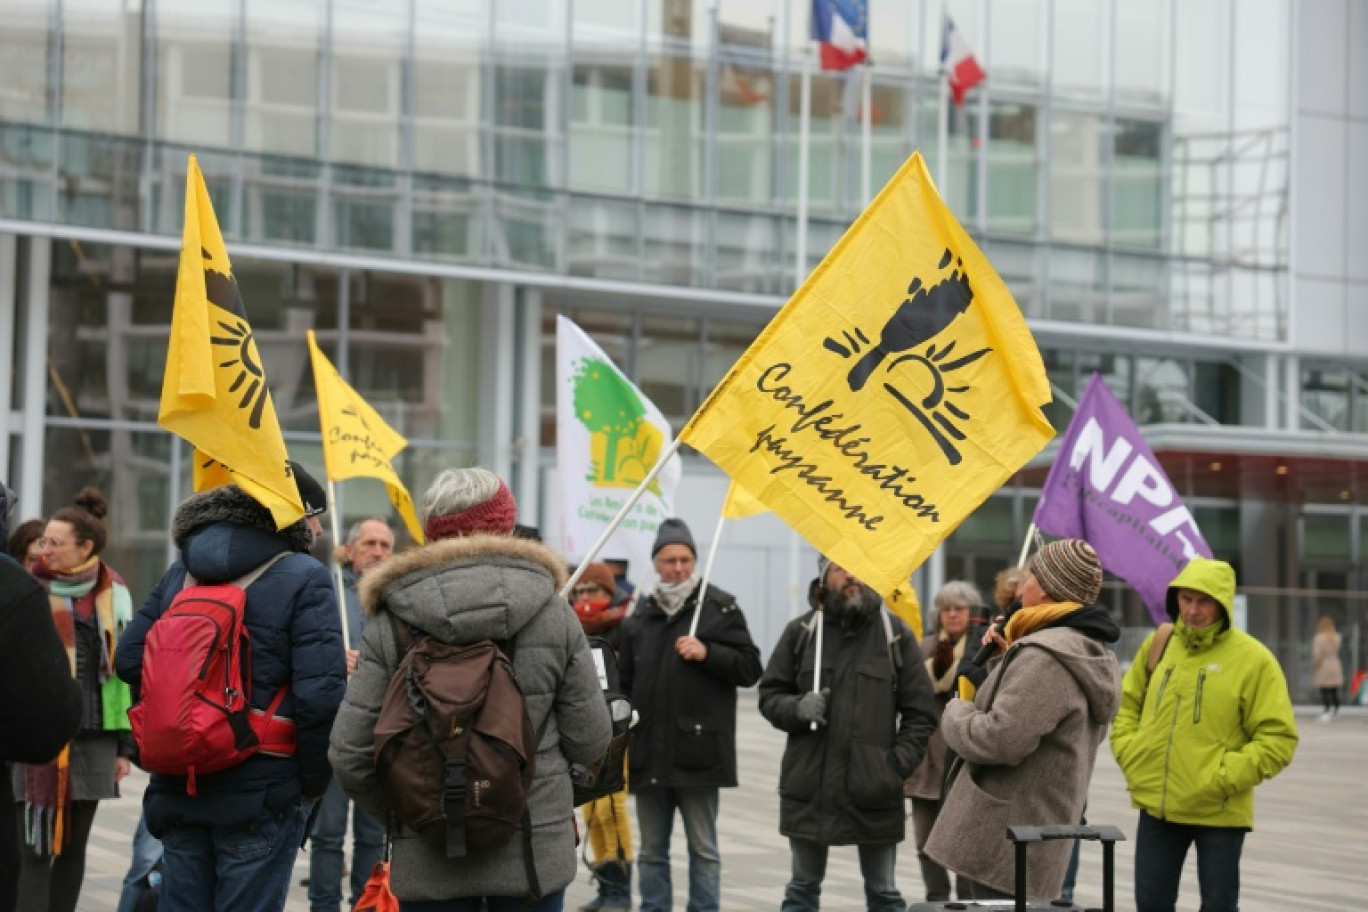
224	534
464	589
232	504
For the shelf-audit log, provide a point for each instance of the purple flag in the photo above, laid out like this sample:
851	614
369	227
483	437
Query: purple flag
1107	487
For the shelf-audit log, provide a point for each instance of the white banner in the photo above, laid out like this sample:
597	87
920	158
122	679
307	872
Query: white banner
608	437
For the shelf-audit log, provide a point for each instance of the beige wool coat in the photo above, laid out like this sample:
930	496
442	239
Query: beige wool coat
1326	670
1028	759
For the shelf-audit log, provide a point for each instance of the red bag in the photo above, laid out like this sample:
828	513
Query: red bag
376	897
194	713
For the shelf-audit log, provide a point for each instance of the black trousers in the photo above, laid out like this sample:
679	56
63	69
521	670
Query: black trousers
54	882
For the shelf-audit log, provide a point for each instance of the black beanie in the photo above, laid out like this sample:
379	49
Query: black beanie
310	491
673	532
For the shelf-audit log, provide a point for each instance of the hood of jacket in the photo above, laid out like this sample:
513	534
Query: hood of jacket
1089	661
1214	577
224	534
464	589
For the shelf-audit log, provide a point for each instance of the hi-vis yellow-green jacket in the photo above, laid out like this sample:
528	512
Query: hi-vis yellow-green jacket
1212	722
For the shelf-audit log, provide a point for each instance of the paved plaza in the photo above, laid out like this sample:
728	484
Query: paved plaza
1309	851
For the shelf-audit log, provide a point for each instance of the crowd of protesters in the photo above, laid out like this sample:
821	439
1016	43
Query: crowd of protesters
878	726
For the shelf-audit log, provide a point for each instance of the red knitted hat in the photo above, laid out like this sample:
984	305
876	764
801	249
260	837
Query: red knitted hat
495	516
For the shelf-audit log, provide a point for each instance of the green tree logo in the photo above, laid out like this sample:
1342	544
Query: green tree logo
623	444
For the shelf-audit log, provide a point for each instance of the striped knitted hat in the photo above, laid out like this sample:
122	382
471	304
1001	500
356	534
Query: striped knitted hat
1068	570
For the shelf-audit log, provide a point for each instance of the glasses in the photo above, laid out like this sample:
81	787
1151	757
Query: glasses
51	543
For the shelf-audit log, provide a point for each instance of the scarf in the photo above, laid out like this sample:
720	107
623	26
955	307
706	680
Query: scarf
1197	639
1028	620
672	596
946	658
90	591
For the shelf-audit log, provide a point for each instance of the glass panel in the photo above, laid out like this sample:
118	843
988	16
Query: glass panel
891	138
1078	289
1140	56
169	166
1220	527
745	117
674	238
536	25
1013	168
449	47
1016	41
991	522
195	71
367	73
668	365
132	469
365	201
25	48
101	65
1201	45
674	129
1137	183
1076	177
747	253
1115	371
446	222
1059	367
1363	538
527	223
727	341
1139	291
604	239
524	130
1020	266
1216	390
960	187
893	35
1162	391
1325	535
679	26
281	199
1078	48
281	105
25	170
606	24
601	127
100	181
1325	393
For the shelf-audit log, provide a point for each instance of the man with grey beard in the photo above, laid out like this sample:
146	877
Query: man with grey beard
876	696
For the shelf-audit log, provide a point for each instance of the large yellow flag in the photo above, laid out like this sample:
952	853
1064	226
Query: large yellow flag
357	443
740	504
897	389
214	393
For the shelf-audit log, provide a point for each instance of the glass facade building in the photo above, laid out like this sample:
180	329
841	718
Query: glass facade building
1174	191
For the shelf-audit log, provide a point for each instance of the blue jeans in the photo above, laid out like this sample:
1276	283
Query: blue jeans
878	865
551	902
147	851
1160	850
655	813
326	851
225	869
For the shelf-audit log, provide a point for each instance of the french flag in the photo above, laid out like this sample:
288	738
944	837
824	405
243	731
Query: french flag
961	67
842	27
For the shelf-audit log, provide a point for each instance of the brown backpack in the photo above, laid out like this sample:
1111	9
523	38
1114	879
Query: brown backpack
454	747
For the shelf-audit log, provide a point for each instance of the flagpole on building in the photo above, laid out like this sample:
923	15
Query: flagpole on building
707	573
622	512
337	563
943	137
804	128
866	131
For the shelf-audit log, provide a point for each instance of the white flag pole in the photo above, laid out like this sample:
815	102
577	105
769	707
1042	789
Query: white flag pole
804	129
337	563
943	115
621	515
1026	545
820	620
866	132
707	573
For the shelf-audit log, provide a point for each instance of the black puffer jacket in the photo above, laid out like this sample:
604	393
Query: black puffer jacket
296	632
842	784
687	732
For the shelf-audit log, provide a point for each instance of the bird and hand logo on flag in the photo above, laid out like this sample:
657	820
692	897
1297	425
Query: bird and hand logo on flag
357	442
214	393
842	29
1107	487
962	69
608	438
896	390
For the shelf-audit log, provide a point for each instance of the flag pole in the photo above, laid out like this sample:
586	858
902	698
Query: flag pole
820	620
804	129
707	573
337	563
1026	546
866	132
943	118
621	515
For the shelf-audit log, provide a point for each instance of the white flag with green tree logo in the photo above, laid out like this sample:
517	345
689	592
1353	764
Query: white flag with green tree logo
608	438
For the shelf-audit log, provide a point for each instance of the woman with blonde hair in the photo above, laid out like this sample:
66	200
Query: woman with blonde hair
1327	671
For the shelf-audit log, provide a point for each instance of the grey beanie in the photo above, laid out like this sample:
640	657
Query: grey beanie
673	532
823	562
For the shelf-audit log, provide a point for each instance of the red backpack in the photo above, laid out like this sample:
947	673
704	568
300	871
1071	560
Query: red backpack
194	712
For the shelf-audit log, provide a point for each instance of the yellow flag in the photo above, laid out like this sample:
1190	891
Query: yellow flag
740	503
903	601
896	390
357	443
214	393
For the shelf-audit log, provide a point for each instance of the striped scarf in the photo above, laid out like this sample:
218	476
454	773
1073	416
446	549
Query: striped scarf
87	590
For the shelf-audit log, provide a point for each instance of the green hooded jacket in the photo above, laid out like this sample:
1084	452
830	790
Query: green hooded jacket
1212	722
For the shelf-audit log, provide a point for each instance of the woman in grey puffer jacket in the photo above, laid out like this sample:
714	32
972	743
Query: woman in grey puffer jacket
474	581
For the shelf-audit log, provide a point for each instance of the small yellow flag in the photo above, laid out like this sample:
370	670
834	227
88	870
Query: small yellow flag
896	390
357	442
903	601
214	393
740	503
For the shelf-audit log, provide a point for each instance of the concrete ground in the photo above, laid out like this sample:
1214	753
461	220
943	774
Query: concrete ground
1309	850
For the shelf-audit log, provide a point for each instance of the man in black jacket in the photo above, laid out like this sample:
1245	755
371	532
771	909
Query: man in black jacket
877	699
684	687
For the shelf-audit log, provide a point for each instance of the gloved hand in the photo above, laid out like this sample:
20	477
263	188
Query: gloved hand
812	706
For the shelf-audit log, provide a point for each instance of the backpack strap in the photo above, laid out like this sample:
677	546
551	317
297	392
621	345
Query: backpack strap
1157	646
241	582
